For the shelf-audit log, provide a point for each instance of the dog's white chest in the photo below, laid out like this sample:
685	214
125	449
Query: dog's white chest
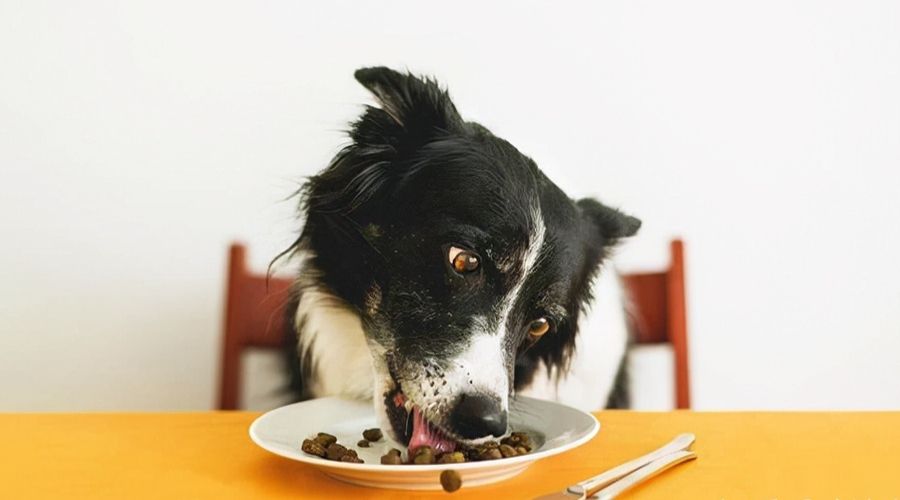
332	340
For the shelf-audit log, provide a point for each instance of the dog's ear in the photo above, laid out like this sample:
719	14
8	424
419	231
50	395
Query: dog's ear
611	223
345	199
417	108
413	111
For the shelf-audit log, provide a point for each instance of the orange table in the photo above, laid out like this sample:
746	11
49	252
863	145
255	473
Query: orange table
208	455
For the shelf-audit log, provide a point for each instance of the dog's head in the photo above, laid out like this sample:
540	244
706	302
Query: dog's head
458	254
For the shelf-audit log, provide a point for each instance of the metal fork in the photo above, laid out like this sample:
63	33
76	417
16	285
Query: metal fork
618	479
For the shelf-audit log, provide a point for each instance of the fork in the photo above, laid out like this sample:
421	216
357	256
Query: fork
619	478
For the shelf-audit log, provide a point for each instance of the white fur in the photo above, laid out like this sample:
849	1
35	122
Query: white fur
334	337
599	348
479	368
530	259
483	363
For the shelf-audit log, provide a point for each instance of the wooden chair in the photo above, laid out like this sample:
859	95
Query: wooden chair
659	315
254	317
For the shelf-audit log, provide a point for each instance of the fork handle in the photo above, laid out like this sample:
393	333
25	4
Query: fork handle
593	485
646	472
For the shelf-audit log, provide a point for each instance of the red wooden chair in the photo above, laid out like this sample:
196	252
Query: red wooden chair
254	317
659	315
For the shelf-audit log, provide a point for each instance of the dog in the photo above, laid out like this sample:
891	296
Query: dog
442	273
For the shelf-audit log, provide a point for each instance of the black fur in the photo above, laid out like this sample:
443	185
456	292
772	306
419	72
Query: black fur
416	178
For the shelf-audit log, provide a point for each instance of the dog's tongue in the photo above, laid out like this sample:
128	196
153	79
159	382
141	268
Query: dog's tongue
425	434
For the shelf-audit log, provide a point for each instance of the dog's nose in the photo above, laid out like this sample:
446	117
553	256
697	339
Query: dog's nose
477	416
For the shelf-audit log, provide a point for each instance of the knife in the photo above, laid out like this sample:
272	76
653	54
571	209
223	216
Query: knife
646	472
657	457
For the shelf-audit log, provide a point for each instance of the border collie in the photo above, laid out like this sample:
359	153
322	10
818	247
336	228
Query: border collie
442	273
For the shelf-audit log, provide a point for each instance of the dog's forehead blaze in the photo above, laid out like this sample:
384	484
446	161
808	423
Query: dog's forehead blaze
520	267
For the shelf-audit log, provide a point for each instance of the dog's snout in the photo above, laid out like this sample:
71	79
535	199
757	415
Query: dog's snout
476	416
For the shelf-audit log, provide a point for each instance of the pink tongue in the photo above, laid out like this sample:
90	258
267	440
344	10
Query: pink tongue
424	434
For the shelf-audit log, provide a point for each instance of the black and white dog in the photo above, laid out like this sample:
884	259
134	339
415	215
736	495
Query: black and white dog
442	273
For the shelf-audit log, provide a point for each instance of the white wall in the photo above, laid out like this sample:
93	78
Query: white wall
138	138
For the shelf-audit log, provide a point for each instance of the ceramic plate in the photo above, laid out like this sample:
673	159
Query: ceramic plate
553	428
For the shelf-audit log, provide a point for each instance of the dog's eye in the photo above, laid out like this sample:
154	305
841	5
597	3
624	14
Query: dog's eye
538	327
463	261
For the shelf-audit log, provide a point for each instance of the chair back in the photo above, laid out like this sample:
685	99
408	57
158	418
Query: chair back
658	314
254	317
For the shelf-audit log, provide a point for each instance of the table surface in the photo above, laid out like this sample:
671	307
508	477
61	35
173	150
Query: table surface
209	455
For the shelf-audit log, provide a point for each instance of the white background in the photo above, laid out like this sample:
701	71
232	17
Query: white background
138	138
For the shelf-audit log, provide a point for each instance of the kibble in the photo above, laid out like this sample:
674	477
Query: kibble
325	445
313	447
450	480
391	458
517	439
455	457
523	439
335	452
507	451
351	458
490	454
325	439
423	455
372	435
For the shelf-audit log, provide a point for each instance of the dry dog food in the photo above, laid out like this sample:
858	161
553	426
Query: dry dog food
326	446
372	435
517	443
325	439
392	457
456	457
450	480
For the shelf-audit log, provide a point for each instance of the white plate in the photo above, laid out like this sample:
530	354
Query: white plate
553	428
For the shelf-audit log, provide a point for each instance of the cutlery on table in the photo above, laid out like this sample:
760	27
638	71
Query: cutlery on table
616	480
